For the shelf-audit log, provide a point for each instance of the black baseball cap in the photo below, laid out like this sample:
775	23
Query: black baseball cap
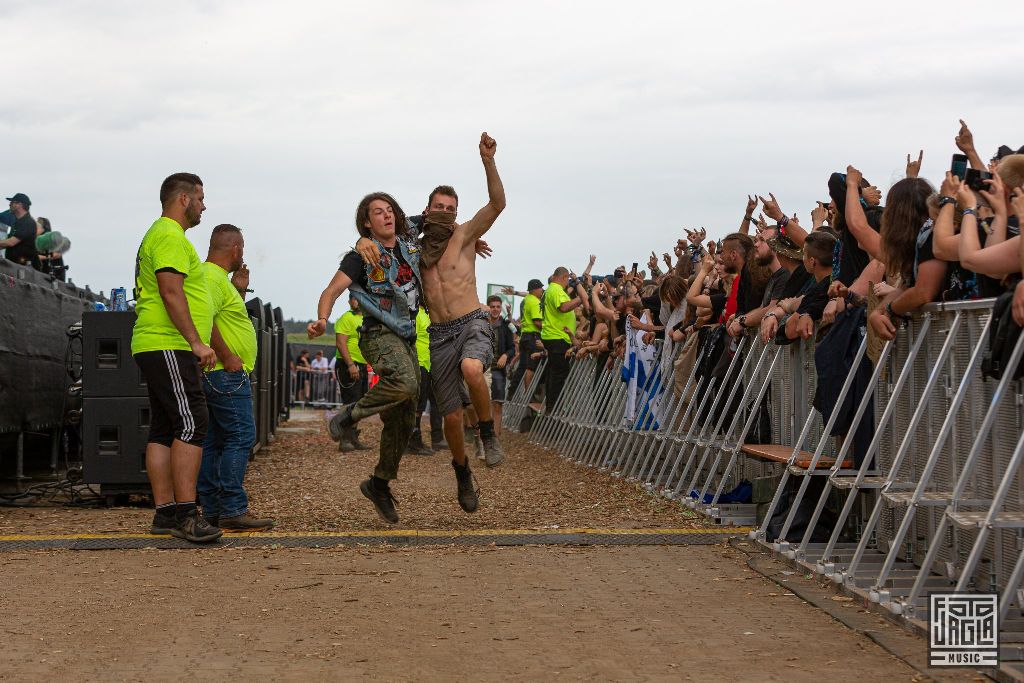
534	284
21	198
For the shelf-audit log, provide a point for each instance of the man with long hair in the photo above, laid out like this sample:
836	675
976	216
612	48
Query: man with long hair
388	293
460	334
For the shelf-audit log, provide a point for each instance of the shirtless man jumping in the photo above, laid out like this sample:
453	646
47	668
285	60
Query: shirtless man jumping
460	334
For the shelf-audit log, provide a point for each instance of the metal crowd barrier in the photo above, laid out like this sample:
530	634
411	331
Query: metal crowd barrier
315	388
936	502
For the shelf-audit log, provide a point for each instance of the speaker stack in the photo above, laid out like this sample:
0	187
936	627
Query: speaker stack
115	407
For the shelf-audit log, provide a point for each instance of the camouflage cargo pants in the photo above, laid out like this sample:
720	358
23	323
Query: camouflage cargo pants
394	396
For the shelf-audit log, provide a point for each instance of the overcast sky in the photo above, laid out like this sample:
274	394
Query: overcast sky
617	123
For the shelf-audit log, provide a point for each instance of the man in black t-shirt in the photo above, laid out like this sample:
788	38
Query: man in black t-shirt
21	244
818	251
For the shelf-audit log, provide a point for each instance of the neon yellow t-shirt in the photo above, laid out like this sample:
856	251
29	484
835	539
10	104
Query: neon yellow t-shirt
554	319
531	312
349	324
423	338
230	316
166	247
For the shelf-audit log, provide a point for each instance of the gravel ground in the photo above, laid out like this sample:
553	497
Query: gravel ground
427	614
306	485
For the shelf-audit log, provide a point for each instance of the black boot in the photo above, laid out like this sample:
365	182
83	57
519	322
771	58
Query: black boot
347	442
416	445
380	495
337	424
467	493
356	443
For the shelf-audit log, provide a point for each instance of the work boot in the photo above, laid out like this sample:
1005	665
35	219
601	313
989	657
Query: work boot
467	493
195	528
479	445
163	522
244	522
437	441
346	444
493	453
381	499
341	420
356	443
416	445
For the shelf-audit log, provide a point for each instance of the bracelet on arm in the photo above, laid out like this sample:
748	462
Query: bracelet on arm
889	311
946	199
971	212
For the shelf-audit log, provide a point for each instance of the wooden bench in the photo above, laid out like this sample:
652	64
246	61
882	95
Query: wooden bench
777	453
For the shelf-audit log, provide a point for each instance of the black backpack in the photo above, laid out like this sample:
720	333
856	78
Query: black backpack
1002	337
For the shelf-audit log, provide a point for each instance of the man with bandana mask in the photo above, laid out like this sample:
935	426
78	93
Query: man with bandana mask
460	334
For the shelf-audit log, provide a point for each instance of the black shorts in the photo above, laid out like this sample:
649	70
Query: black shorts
177	404
528	347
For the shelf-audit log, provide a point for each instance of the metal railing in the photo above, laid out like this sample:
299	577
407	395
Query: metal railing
935	502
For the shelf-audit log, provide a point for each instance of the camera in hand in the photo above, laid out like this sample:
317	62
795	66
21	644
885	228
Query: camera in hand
975	179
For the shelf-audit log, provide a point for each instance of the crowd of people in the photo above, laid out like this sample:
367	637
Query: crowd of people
30	241
858	262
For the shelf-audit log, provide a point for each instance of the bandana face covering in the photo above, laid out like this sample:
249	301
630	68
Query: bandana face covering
438	228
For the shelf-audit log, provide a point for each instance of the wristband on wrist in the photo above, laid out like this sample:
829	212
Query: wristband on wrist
889	311
946	199
783	222
971	212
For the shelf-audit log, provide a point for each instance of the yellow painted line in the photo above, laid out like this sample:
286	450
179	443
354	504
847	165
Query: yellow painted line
386	533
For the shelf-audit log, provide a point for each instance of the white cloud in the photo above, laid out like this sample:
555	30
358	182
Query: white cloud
617	124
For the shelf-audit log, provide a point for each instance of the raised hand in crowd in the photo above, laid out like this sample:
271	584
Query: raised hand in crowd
965	143
872	195
668	260
771	207
914	167
819	215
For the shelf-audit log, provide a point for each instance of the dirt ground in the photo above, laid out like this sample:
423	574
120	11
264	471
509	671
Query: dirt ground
644	613
306	485
535	613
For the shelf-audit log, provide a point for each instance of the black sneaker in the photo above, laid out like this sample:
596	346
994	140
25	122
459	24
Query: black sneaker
384	501
196	529
337	424
467	493
493	454
163	523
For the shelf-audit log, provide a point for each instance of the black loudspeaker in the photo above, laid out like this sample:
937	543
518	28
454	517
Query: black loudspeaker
108	369
114	435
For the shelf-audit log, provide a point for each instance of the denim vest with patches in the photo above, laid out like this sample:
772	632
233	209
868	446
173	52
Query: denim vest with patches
382	299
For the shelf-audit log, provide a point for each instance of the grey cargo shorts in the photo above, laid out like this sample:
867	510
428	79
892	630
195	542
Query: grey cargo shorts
467	337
